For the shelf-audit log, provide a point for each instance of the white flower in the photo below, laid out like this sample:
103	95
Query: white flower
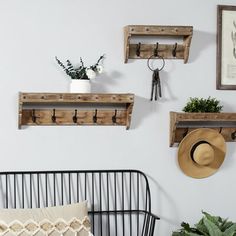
99	69
90	73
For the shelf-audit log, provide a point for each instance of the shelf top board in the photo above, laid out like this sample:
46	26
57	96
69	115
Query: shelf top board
76	98
186	116
156	30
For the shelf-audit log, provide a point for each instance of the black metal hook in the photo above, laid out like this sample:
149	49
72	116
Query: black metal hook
174	50
233	135
185	133
95	117
75	118
33	116
54	118
220	130
114	117
138	49
155	53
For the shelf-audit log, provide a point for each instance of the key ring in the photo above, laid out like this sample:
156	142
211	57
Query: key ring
159	57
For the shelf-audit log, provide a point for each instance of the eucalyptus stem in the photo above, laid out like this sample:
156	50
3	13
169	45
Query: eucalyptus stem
80	72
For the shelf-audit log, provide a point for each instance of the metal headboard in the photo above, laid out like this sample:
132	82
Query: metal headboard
119	201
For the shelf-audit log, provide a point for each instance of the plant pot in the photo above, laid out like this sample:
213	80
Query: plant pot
80	86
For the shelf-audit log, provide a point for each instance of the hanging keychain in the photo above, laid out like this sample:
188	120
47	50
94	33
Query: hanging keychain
156	81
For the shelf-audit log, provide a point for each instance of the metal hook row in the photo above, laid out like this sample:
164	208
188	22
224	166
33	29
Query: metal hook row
233	134
74	117
156	50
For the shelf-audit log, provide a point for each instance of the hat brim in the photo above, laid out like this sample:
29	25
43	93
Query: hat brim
186	163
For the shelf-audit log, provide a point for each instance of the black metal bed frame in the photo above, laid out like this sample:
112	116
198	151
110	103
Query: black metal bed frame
119	201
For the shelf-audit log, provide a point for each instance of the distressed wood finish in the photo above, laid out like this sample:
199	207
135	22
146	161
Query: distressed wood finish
225	123
164	50
30	105
76	98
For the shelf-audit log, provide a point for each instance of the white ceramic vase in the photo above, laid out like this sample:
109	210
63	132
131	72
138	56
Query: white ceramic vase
80	86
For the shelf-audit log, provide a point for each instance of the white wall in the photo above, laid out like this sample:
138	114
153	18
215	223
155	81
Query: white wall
33	32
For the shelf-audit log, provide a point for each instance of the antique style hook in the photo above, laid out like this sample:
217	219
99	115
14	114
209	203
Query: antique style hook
233	135
155	53
95	117
75	117
33	116
174	50
185	133
138	49
114	117
220	130
54	118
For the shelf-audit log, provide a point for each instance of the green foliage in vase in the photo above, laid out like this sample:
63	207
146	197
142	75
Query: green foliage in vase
203	105
208	226
81	72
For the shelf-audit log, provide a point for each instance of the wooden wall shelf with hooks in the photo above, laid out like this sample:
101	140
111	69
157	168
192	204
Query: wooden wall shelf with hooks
75	109
167	51
182	123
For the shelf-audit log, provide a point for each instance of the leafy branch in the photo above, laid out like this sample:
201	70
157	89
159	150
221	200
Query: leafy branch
208	226
203	105
81	72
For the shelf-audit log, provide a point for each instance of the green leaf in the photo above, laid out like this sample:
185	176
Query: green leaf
187	228
230	231
202	228
193	234
214	219
225	225
202	105
178	234
212	228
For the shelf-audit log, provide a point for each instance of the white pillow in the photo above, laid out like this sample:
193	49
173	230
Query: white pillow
68	220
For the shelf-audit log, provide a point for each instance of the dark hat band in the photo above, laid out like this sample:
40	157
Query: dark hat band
194	148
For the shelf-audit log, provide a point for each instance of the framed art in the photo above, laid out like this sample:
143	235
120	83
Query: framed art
226	47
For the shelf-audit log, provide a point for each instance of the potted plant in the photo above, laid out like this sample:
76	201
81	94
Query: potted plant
203	105
81	75
208	226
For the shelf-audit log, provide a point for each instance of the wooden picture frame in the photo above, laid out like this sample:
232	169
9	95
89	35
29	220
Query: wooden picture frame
226	48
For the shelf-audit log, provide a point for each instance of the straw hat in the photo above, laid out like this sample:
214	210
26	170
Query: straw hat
201	152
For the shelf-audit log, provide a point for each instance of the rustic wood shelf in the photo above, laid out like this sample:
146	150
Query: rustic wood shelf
75	109
182	123
166	51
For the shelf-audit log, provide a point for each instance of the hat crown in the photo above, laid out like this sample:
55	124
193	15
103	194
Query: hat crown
203	154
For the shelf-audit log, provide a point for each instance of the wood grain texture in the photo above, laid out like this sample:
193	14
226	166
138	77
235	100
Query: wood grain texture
164	50
159	30
225	123
126	44
75	98
32	113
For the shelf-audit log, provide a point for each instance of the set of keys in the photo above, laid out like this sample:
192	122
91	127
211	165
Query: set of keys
156	81
156	85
